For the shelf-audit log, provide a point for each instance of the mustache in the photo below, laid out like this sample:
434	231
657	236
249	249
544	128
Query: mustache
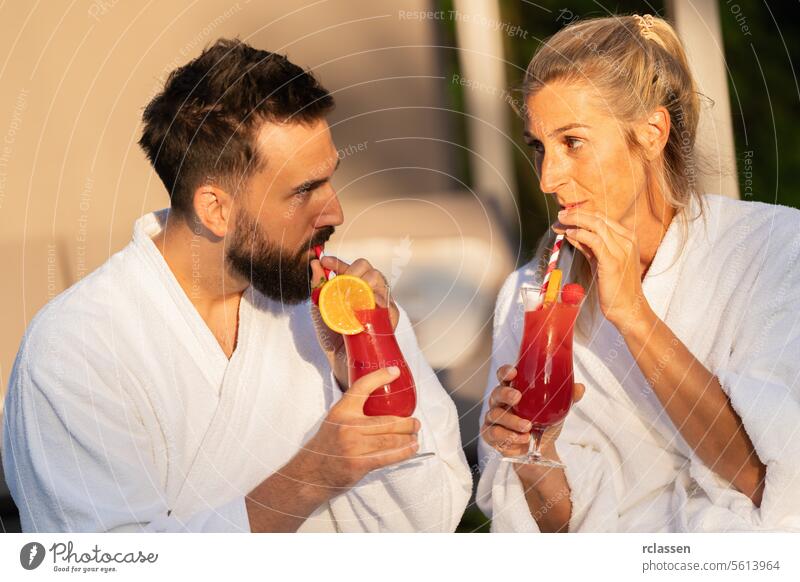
320	237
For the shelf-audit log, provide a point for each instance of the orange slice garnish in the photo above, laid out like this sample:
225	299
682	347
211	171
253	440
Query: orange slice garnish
553	287
340	298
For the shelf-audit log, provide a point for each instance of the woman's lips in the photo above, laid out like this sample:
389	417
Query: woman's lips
573	205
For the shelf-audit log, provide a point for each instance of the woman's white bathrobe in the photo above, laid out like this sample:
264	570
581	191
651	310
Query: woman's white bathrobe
733	298
124	414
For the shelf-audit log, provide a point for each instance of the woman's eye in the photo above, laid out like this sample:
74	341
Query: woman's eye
573	143
538	147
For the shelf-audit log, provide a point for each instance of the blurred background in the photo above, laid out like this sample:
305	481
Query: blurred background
437	186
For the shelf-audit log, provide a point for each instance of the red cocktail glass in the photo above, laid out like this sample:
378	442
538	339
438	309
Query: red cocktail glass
376	348
372	349
544	368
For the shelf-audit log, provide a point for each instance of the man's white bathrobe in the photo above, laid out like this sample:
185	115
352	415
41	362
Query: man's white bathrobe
124	414
733	298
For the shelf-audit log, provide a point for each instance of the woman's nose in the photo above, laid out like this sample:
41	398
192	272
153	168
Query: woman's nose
553	173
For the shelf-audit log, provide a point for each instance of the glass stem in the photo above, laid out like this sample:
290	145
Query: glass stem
536	443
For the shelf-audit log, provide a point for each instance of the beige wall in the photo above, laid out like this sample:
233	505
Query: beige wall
75	77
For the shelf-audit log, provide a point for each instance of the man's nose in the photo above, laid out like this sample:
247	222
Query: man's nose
553	173
331	213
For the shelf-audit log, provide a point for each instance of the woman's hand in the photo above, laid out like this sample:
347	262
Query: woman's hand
505	431
613	253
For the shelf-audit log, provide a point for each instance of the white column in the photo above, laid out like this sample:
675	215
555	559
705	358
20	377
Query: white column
698	25
479	34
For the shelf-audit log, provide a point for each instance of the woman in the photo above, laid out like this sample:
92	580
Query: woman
688	342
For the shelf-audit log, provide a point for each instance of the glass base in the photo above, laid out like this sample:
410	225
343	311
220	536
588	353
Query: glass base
533	459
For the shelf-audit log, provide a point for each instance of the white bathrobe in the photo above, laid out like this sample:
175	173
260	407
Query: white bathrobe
733	298
124	414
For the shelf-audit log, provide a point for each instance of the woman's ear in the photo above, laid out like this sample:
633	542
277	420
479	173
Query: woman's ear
653	132
212	206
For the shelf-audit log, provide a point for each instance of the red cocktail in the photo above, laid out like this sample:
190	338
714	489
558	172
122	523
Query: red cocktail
544	367
375	348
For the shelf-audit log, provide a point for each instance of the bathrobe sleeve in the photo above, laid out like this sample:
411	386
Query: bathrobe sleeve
500	494
77	456
429	495
762	380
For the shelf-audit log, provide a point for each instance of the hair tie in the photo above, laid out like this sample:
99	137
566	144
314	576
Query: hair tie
646	24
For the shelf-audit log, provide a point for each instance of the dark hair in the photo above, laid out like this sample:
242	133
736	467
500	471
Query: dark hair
202	125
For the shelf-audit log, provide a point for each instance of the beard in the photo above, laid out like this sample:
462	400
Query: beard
275	273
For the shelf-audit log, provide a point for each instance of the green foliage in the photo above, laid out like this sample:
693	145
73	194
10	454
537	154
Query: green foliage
762	42
473	521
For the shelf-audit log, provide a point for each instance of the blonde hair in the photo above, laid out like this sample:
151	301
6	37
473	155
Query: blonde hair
636	64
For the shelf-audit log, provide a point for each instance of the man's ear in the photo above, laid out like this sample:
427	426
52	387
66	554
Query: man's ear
653	132
212	206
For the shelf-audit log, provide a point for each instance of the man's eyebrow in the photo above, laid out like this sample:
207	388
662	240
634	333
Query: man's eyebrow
312	184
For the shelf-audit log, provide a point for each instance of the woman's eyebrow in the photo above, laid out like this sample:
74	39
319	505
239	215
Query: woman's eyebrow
529	137
567	128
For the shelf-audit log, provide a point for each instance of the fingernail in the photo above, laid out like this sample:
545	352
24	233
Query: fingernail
393	370
527	427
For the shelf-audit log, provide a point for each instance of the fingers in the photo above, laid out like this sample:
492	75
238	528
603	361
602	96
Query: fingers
596	221
353	400
506	374
506	441
358	268
379	286
590	240
504	397
587	252
390	425
317	273
507	419
608	234
392	456
334	264
388	442
363	269
578	391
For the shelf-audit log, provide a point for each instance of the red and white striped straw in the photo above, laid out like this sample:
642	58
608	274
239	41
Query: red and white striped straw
320	252
551	265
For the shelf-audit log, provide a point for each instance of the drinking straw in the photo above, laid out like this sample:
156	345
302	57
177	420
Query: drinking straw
552	264
320	252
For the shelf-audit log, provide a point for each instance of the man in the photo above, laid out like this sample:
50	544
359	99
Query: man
188	384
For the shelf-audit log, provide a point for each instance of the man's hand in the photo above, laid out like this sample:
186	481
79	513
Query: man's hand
350	444
331	342
347	446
